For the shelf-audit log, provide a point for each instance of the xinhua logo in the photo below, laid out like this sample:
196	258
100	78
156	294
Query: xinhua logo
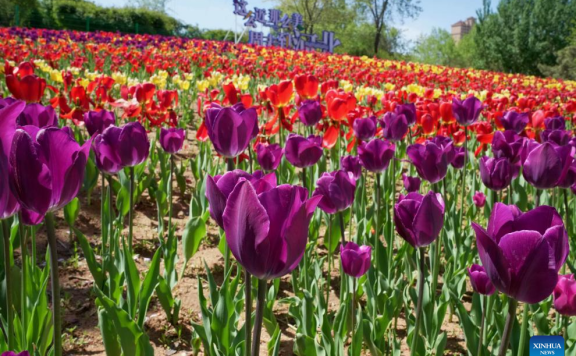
546	345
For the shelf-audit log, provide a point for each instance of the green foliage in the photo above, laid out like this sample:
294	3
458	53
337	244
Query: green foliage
523	35
19	12
439	48
566	67
73	15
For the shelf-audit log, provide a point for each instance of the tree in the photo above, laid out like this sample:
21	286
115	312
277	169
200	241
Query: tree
153	5
523	35
316	14
383	11
566	67
437	48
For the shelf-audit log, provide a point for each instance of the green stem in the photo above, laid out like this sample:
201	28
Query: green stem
248	316
353	308
391	239
537	197
328	283
512	304
24	253
56	314
103	226
419	303
230	168
482	325
259	317
131	213
8	276
170	206
342	229
567	210
376	220
524	330
464	169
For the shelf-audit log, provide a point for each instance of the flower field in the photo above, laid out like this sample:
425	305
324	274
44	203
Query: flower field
215	198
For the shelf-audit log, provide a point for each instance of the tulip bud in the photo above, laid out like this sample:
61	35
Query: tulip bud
269	156
565	295
172	139
479	199
364	129
411	184
466	112
419	219
355	259
480	281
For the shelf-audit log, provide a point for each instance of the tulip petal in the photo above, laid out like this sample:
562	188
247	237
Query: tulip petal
246	225
30	178
493	260
428	220
537	278
516	246
216	199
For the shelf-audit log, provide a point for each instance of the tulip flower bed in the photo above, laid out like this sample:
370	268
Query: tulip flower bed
221	199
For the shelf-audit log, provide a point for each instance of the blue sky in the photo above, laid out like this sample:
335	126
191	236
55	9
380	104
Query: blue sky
213	14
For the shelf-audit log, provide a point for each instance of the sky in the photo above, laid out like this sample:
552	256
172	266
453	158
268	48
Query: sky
214	14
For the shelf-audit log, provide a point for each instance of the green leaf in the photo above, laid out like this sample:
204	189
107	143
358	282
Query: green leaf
94	267
132	340
132	279
148	287
71	211
194	233
109	336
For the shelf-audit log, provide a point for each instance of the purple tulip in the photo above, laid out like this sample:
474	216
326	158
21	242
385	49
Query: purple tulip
411	184
496	173
365	129
447	145
394	126
47	168
351	165
355	259
376	155
419	219
98	121
13	353
409	111
303	152
547	165
218	189
479	199
8	114
523	252
565	295
119	147
515	121
267	233
337	191
555	123
172	139
38	115
570	177
269	156
459	156
431	161
310	112
480	281
508	145
231	129
466	112
557	137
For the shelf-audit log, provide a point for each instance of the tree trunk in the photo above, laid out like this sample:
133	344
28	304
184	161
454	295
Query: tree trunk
377	41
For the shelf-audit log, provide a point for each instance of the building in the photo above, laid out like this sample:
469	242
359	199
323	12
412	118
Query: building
462	28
